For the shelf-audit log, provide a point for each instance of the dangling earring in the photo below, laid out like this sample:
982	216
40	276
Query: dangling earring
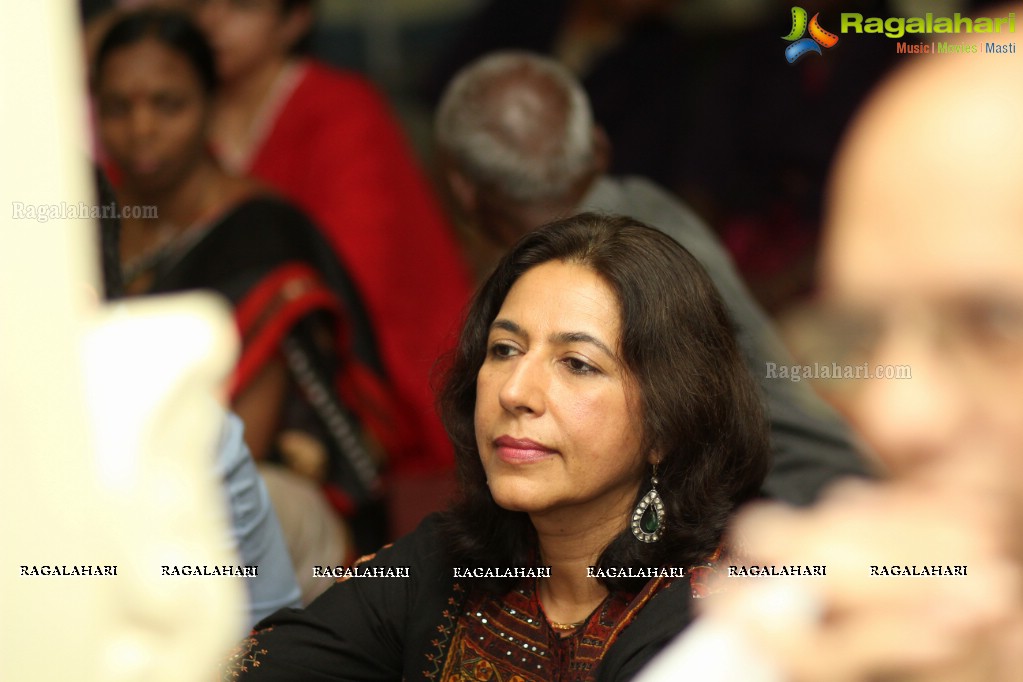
648	516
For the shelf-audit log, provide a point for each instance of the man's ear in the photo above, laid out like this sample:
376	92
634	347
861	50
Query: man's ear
601	150
463	191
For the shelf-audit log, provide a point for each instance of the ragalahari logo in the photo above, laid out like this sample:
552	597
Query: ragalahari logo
818	36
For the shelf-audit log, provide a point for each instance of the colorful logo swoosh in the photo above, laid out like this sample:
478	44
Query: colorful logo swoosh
819	37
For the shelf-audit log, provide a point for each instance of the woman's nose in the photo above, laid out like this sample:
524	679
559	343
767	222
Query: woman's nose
524	389
143	123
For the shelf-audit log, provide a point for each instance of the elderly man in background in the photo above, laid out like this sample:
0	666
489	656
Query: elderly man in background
518	147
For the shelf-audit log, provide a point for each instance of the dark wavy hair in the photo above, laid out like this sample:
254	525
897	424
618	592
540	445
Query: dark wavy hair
700	407
169	27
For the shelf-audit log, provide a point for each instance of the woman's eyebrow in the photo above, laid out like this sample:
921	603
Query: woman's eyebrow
583	337
508	326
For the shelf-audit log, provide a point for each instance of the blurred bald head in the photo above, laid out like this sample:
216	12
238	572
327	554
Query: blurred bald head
925	239
936	158
517	127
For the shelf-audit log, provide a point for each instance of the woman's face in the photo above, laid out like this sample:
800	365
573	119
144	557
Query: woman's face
246	34
151	110
557	414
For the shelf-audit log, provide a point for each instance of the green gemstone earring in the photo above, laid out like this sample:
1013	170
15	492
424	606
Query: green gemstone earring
648	516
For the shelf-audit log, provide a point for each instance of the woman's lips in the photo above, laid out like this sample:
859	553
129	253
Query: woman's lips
145	166
521	450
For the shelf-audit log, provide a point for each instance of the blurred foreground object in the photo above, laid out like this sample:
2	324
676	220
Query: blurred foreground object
88	478
920	271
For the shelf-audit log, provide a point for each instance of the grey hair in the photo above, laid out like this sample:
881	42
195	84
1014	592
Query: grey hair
519	123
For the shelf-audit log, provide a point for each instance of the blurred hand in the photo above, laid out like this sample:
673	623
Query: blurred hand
852	625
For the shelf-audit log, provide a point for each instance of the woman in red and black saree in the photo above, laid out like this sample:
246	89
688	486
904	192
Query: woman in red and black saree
327	140
605	428
309	384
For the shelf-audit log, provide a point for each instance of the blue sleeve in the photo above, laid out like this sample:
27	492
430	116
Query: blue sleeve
254	527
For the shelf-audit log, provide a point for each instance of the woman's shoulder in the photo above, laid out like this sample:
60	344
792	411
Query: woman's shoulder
249	236
662	617
664	614
419	556
323	75
254	219
261	216
425	541
267	202
339	94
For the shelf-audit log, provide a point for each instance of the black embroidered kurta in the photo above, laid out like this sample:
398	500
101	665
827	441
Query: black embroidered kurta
433	626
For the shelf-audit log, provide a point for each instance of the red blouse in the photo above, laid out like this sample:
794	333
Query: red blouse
330	144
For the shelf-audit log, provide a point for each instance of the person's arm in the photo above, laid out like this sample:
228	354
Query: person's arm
260	405
254	527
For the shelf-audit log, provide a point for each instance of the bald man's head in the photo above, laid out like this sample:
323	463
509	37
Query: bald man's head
519	123
936	157
924	250
517	143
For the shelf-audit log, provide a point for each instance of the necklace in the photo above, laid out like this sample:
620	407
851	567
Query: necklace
560	627
564	627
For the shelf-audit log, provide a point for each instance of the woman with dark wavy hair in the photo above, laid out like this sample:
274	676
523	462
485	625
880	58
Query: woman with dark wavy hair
605	428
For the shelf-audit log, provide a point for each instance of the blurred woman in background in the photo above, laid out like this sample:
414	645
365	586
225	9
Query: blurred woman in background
327	140
309	384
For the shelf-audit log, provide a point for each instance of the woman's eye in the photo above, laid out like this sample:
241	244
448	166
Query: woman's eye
502	350
112	108
170	105
577	366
